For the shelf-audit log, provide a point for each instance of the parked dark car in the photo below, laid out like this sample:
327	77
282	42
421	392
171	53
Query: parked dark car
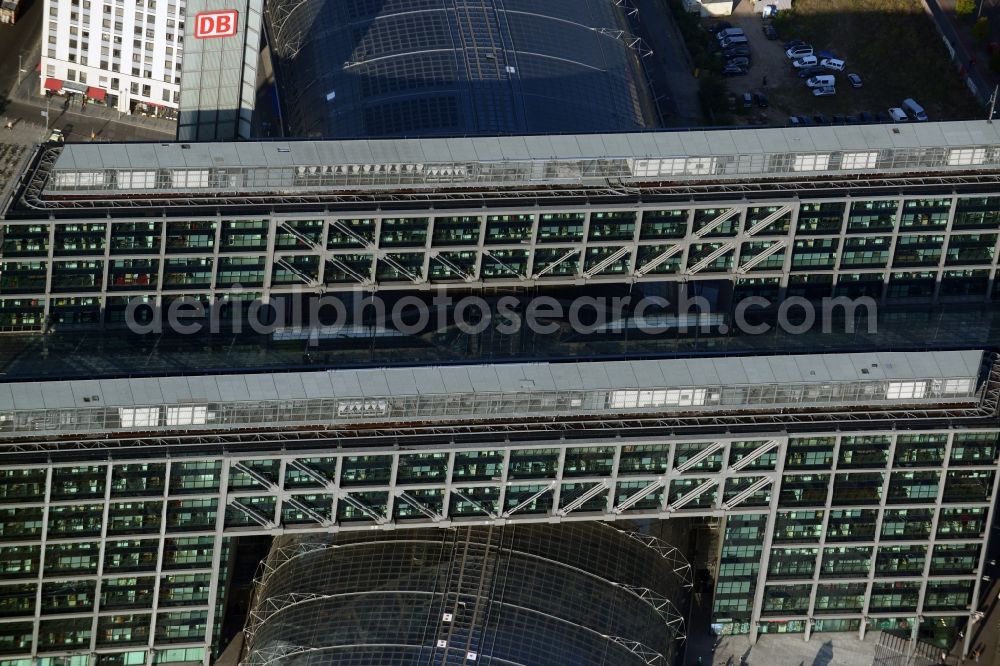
732	101
839	120
855	80
734	70
737	51
799	121
747	100
794	42
738	61
807	72
770	32
820	119
851	120
762	100
720	26
865	117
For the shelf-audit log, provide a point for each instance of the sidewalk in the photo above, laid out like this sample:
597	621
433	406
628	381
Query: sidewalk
970	57
103	122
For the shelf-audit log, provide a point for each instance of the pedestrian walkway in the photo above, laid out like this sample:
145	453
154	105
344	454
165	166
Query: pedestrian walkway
970	57
97	116
20	132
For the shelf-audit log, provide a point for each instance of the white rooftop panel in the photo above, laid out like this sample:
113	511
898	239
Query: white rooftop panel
730	371
520	377
616	145
405	383
593	144
456	379
758	370
564	376
175	389
262	387
28	396
541	374
485	379
798	369
344	384
233	387
514	147
598	375
696	143
57	395
145	392
374	382
703	372
812	369
317	385
205	389
674	374
86	389
116	392
785	369
427	381
648	374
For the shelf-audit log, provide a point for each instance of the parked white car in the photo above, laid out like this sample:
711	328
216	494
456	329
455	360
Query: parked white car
729	32
832	63
825	91
799	52
805	61
897	115
821	81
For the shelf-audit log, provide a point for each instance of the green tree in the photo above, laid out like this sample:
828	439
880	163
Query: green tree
981	30
965	7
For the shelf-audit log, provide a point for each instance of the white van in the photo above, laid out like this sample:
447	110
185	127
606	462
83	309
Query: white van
915	110
832	63
733	41
821	81
897	115
729	32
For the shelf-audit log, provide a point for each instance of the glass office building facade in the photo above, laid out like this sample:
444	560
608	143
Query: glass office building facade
258	221
117	546
851	495
126	562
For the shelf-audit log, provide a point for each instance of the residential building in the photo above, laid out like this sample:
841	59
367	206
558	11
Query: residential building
123	54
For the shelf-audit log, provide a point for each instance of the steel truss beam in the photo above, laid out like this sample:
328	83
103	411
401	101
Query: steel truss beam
419	506
659	259
716	223
746	494
528	501
587	495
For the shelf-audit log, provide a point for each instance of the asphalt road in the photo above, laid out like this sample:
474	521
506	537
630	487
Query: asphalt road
26	108
15	39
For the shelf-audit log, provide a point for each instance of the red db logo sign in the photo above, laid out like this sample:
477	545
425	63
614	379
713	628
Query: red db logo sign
215	24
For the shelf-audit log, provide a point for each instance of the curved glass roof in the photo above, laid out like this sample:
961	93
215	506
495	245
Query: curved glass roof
355	68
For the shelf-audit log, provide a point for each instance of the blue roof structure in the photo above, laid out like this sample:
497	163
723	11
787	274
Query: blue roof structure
366	68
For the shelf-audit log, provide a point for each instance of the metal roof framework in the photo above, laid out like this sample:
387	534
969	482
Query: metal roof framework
504	169
833	386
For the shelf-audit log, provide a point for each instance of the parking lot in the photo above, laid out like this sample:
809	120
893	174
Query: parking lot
889	72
